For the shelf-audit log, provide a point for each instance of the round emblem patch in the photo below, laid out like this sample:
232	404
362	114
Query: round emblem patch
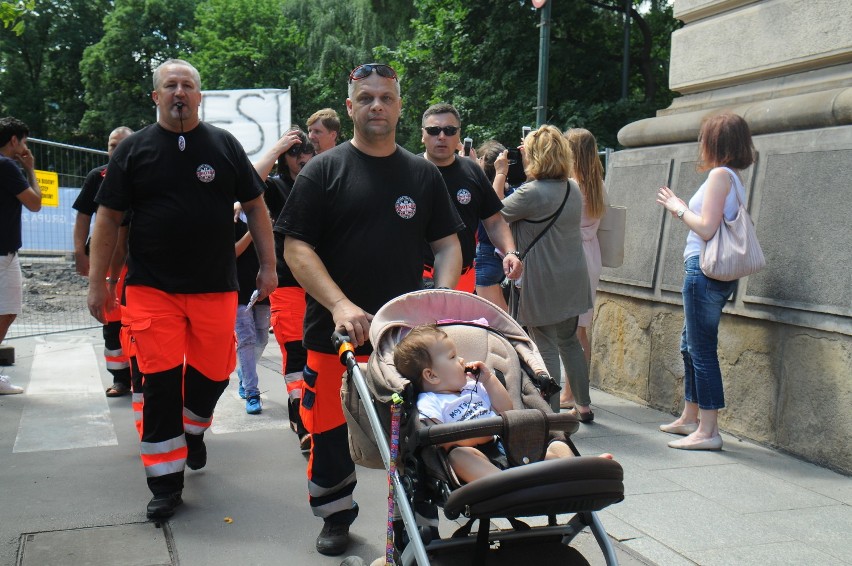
405	207
205	173
463	196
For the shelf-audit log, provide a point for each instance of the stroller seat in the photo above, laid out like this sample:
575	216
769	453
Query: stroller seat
531	487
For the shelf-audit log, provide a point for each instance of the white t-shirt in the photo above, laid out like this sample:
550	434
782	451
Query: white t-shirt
471	403
694	242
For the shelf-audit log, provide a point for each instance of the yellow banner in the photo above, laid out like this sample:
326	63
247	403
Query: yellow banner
49	183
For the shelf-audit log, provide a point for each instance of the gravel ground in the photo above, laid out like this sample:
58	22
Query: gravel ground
54	297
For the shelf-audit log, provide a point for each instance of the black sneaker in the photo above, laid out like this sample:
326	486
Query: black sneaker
334	537
163	506
196	451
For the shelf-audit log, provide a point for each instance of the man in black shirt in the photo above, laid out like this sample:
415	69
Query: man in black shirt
470	191
117	362
17	190
180	177
355	224
292	151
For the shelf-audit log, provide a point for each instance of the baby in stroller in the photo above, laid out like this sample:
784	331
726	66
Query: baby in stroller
450	390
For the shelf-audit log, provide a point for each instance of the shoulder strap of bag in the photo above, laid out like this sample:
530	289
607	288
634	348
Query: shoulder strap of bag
553	218
735	183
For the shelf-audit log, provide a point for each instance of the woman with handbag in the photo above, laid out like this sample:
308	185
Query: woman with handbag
725	148
588	173
544	215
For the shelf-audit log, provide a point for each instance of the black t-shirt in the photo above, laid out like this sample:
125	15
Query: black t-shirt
277	191
85	201
12	183
474	198
182	234
248	265
367	218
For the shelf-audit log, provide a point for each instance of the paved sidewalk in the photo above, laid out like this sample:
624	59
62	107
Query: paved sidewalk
73	491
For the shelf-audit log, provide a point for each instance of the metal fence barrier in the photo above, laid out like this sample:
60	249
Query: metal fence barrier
54	295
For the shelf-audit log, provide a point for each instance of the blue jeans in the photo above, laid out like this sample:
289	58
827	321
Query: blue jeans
703	299
252	329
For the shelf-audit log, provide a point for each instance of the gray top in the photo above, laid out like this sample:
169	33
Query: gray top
555	285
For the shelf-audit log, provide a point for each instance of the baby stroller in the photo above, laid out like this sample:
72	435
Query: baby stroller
423	480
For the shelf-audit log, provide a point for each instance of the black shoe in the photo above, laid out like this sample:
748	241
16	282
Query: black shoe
163	506
334	537
196	451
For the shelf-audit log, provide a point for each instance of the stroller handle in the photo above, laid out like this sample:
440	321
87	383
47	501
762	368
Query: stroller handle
341	342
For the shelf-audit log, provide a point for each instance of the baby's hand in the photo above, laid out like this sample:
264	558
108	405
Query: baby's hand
478	370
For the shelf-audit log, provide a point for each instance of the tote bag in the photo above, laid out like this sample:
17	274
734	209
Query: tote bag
611	236
733	252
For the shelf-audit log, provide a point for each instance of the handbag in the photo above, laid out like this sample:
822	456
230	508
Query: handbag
611	233
733	251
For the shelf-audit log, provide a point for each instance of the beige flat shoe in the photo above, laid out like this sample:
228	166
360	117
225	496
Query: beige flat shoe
683	429
714	443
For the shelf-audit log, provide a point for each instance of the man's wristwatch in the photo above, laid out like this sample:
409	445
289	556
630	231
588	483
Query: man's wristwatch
680	213
515	253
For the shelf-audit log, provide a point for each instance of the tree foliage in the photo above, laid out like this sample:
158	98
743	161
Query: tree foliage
481	56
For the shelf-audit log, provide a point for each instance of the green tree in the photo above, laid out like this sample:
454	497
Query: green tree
39	74
11	13
117	71
244	44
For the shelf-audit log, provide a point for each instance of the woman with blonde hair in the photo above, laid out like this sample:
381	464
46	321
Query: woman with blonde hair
588	173
725	148
555	289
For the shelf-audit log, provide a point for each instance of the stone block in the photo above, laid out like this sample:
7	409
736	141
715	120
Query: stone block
665	379
814	419
634	185
751	382
759	41
621	348
801	236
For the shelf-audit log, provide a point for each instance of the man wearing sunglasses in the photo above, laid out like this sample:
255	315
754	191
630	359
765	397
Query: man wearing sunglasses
293	151
354	229
470	192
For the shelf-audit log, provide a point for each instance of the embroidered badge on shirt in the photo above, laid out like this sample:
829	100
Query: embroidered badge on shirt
205	173
405	207
463	196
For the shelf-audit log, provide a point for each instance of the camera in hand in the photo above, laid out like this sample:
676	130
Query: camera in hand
516	175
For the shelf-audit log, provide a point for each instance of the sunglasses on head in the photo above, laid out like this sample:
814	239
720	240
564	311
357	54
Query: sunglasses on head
436	130
364	71
298	149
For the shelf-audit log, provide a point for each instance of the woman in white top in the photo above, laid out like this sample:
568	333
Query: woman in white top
725	148
588	172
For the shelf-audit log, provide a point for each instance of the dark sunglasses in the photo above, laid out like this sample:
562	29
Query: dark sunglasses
364	71
298	149
435	130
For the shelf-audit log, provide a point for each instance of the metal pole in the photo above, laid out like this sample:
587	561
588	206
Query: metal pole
625	65
543	56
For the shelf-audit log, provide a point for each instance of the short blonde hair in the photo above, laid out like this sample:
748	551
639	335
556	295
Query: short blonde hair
411	356
547	154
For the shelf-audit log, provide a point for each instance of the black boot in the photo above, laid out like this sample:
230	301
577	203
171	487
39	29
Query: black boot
196	451
163	506
334	537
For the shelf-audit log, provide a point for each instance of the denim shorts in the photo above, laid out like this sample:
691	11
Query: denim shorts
489	267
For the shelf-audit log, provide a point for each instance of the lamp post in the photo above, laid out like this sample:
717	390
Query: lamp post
543	57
